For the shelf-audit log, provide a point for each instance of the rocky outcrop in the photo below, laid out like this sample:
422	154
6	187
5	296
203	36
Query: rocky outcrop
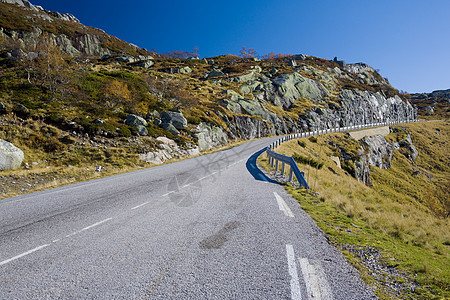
378	151
11	157
210	136
175	118
429	104
168	149
359	107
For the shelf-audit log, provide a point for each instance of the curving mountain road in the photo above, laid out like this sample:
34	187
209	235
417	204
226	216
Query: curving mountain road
211	227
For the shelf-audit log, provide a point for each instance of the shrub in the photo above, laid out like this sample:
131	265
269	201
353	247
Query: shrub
301	144
307	161
313	139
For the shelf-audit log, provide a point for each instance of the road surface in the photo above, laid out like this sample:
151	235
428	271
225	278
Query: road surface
211	227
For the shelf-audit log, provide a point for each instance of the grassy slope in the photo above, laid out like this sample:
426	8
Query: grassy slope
402	215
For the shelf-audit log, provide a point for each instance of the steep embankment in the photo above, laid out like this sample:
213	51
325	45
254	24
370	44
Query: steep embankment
393	222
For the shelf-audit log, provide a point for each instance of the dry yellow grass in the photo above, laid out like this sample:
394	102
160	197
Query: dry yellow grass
404	214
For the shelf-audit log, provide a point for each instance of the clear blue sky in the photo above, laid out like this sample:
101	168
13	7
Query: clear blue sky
408	40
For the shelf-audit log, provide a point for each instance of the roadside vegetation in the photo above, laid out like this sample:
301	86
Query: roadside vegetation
397	232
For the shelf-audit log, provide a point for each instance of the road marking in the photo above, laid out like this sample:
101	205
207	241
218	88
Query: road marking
88	227
23	254
283	206
140	205
295	285
315	280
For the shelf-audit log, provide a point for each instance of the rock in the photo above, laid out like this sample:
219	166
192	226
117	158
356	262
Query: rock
126	59
215	73
292	86
133	120
99	121
169	127
142	130
143	64
2	109
168	150
410	150
23	3
98	168
185	70
379	151
21	111
175	118
210	136
362	171
11	157
292	63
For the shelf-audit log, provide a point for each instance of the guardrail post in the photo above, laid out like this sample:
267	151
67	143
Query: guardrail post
282	168
290	174
276	166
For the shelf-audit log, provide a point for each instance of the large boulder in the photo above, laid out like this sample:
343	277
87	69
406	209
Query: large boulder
169	127
2	109
215	73
210	136
133	120
11	157
379	151
175	118
292	86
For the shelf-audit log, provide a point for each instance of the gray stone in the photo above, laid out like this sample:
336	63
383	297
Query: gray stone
379	151
143	64
291	87
185	70
215	73
411	151
210	136
142	130
175	118
133	120
2	108
23	3
11	157
169	127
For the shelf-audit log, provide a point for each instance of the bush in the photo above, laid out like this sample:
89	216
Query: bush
301	144
307	161
313	139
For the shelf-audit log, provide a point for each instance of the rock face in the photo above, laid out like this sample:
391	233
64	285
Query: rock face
435	103
359	107
168	150
379	151
11	157
210	136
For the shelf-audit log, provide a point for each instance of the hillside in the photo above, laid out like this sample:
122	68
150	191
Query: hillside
433	105
392	223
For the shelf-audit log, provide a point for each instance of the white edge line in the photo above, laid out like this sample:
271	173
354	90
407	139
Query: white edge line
140	205
295	285
23	254
280	205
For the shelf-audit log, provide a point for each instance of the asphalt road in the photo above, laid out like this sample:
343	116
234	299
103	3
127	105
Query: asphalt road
211	227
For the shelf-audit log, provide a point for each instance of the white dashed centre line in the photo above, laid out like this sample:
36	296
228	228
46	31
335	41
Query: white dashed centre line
88	227
23	254
295	285
283	205
140	205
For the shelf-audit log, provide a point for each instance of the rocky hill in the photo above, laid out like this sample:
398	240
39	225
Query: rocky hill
72	95
436	103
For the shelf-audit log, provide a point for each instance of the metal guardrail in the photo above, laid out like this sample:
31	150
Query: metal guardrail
275	158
